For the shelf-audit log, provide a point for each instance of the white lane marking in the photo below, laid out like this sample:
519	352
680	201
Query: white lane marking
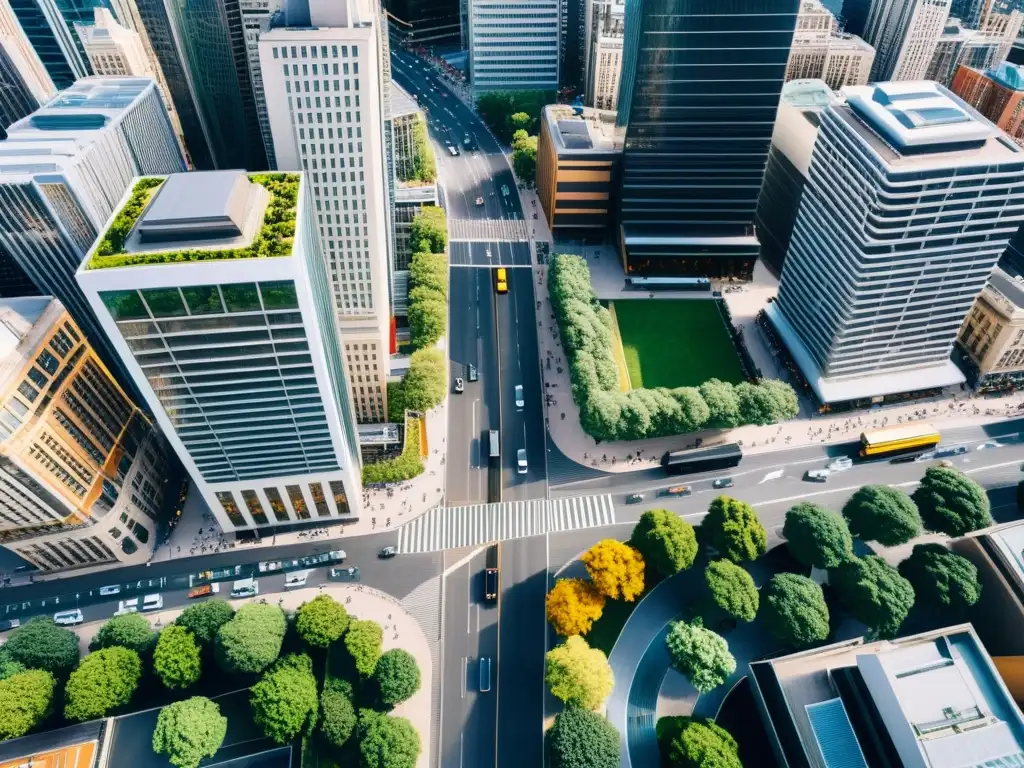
773	475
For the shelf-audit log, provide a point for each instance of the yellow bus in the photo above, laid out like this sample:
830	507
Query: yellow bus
900	438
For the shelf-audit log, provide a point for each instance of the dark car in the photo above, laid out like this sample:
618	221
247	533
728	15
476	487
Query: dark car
388	552
634	498
956	450
722	482
9	624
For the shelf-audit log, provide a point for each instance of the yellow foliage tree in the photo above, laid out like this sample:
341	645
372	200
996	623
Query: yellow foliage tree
578	674
616	569
573	606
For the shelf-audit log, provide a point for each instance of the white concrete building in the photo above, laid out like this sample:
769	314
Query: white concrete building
604	31
324	96
256	20
235	347
25	85
821	53
513	44
904	34
911	199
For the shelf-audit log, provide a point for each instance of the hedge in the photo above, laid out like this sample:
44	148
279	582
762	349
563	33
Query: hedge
404	467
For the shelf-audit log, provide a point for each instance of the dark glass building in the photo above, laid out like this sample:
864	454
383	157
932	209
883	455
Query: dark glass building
700	88
54	42
571	39
427	22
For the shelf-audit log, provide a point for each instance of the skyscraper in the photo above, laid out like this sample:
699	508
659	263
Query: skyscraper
603	36
427	22
256	16
572	40
911	199
52	38
62	170
513	44
820	52
24	82
700	88
321	73
958	45
213	291
83	473
997	93
904	34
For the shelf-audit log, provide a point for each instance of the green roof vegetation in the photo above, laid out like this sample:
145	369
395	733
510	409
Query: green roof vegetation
274	238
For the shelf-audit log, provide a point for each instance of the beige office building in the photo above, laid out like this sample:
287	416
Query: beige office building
820	53
82	471
992	335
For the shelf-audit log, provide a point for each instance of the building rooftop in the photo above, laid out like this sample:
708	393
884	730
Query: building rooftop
808	94
402	103
416	193
582	129
1009	75
89	104
1007	285
196	207
20	328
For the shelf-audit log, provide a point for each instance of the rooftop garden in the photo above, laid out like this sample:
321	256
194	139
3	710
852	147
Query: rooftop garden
274	238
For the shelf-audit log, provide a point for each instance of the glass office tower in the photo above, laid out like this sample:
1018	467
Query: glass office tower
700	87
54	41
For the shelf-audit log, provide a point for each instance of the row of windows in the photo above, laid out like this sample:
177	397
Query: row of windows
323	70
200	300
300	51
254	505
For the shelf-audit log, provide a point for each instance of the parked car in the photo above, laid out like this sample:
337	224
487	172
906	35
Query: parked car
127	606
479	201
460	385
68	618
817	475
388	552
113	589
245	588
8	624
722	482
675	490
634	498
839	464
152	602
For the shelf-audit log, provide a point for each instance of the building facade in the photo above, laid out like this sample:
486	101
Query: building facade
904	34
604	33
236	354
959	46
699	91
83	473
998	94
513	45
427	22
48	24
819	52
24	82
992	336
327	119
256	20
910	201
572	25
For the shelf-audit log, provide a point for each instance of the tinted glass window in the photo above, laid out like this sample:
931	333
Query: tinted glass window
124	305
164	302
279	295
241	297
202	299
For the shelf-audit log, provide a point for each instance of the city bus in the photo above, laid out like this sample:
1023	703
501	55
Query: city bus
898	439
702	459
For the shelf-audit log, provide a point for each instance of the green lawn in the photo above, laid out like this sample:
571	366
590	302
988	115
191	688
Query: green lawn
675	343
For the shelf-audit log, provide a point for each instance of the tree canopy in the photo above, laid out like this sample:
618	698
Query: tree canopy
732	589
573	605
424	385
25	699
429	270
578	674
321	621
816	537
941	579
524	159
701	655
204	619
386	741
337	715
177	660
363	641
667	543
874	592
692	742
793	609
951	503
580	738
41	644
397	676
429	230
130	630
883	514
188	731
731	526
285	700
251	641
104	681
616	569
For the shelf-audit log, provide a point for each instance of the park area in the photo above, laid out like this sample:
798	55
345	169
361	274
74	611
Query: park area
672	344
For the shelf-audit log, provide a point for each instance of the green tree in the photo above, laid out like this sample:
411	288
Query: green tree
580	738
785	404
757	405
520	121
578	674
251	641
793	609
386	741
397	676
41	644
883	514
429	270
425	385
204	619
337	715
692	742
700	654
429	230
285	701
524	159
941	578
816	537
188	731
731	526
874	592
25	699
130	630
723	403
951	503
424	167
177	658
667	543
732	589
363	641
518	136
8	666
104	681
321	621
428	318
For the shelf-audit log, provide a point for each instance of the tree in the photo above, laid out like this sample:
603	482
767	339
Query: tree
285	701
130	630
883	514
8	666
363	641
104	680
520	121
337	715
424	385
732	589
41	644
429	270
428	231
524	159
188	731
204	619
874	592
386	741
177	658
397	676
951	503
321	621
580	738
816	537
518	136
793	609
616	569
722	402
693	742
731	526
941	578
251	641
757	406
427	319
573	605
700	654
578	674
666	542
25	699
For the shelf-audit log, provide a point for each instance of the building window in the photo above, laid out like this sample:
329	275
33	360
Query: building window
340	497
298	501
277	504
252	503
227	501
316	490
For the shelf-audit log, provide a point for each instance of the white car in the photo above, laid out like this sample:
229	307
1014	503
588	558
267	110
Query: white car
127	606
68	618
817	475
519	396
521	461
111	590
840	464
297	579
152	602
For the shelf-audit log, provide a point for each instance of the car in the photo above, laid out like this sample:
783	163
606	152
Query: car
634	498
152	602
519	396
245	588
460	385
68	618
909	458
9	624
501	280
485	675
269	566
840	464
127	606
817	475
504	190
388	552
344	574
675	490
722	482
521	461
453	151
473	375
956	450
203	591
479	201
297	579
336	555
114	589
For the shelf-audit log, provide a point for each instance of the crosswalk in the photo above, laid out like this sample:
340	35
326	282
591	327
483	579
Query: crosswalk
488	229
451	527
